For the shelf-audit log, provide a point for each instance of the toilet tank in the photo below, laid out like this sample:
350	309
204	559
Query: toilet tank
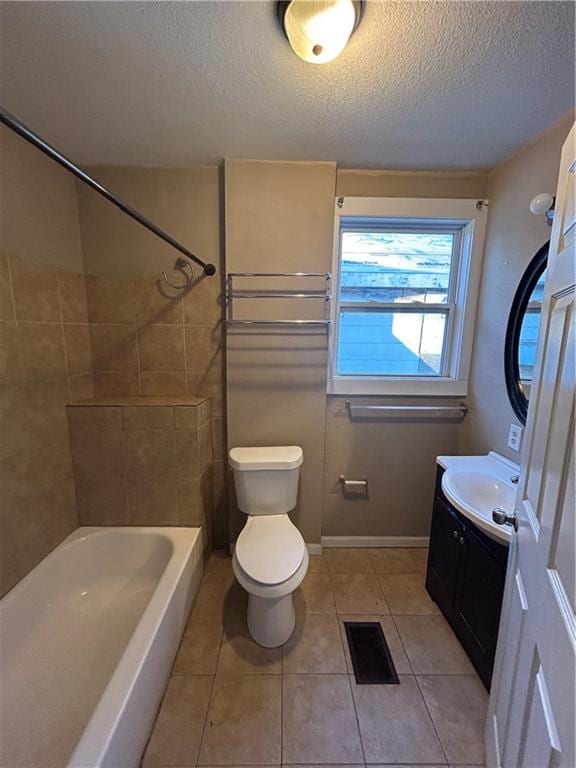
266	479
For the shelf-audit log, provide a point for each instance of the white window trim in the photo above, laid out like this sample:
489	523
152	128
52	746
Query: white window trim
470	215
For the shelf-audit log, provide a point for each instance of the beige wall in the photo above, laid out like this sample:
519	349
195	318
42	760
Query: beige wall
398	504
38	206
44	355
279	217
513	237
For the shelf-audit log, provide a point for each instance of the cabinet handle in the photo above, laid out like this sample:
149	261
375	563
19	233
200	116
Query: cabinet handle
461	539
455	534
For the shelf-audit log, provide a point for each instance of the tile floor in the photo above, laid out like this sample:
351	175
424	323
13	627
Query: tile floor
231	703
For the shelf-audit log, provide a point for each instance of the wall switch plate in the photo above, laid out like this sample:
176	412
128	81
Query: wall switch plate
515	437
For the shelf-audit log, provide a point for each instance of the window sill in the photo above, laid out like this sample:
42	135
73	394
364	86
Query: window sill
408	386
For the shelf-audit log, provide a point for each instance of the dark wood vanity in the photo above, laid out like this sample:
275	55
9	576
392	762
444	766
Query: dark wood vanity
465	577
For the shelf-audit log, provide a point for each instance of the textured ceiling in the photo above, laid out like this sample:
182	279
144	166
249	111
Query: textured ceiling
421	85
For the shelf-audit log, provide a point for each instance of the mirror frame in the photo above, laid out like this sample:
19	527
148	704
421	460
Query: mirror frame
533	272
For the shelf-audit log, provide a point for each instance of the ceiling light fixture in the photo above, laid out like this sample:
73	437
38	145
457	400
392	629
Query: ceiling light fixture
318	30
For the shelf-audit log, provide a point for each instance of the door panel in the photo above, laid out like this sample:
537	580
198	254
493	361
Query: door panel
532	708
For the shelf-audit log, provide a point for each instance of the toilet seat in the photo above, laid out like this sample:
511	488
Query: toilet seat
270	549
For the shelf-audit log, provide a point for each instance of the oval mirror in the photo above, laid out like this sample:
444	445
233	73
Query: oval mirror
522	333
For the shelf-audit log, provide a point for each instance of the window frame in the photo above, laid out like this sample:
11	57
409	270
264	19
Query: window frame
468	218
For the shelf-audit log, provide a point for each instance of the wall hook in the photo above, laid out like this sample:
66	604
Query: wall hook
181	265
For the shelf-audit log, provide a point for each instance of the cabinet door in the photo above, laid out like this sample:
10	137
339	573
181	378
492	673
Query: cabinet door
479	600
444	556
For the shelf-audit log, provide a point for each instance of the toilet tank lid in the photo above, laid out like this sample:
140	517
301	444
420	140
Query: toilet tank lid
272	457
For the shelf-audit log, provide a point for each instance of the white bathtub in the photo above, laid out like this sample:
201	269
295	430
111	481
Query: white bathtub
87	640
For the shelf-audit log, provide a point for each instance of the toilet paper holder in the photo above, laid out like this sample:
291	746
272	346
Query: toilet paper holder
354	487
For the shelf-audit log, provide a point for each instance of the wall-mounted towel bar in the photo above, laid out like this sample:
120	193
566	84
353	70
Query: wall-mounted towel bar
407	411
26	133
234	293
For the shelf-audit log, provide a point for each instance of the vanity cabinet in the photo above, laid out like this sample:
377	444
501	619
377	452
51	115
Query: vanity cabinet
465	577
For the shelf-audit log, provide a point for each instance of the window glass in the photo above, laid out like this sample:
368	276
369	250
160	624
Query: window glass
395	267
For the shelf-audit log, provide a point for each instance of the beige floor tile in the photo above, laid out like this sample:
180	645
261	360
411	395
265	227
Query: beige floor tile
218	592
457	705
392	638
315	646
243	725
395	725
319	723
432	647
176	736
198	652
406	595
348	560
241	655
317	563
420	554
314	595
393	560
358	593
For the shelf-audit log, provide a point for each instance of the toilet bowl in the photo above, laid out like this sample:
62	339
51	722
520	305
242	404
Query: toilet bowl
270	557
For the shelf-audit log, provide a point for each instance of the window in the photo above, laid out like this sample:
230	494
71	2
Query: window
405	295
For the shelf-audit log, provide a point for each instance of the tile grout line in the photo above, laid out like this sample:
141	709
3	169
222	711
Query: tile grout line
201	741
63	334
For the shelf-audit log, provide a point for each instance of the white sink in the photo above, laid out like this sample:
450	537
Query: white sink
475	485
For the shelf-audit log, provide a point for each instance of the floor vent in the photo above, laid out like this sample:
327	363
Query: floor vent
371	657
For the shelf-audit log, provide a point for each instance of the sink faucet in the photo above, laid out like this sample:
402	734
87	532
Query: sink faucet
514	479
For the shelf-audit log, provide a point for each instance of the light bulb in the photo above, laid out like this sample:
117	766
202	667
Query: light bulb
541	203
318	30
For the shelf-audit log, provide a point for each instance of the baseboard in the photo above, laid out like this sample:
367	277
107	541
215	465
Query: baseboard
375	541
314	549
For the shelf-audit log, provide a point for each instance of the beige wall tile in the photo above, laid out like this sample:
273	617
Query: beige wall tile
35	288
41	349
73	298
81	387
102	500
161	452
203	349
161	348
10	366
6	303
319	722
152	501
245	721
114	348
197	499
186	417
219	438
113	383
78	349
208	385
96	441
163	383
178	729
203	302
158	303
147	417
112	299
204	446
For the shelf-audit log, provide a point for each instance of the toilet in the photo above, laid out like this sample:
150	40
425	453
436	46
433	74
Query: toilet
270	557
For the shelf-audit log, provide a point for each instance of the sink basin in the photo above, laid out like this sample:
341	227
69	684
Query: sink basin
475	485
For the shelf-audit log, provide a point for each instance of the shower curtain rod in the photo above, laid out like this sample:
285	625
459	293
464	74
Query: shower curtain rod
22	130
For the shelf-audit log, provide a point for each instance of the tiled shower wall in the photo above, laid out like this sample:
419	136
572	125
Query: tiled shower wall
45	360
144	461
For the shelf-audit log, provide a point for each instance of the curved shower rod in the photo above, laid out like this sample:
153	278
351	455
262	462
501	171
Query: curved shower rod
26	133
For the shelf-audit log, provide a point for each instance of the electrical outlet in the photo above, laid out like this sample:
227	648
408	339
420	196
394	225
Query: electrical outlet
515	437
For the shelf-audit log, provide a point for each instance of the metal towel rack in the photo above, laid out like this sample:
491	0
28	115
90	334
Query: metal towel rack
233	293
408	411
26	133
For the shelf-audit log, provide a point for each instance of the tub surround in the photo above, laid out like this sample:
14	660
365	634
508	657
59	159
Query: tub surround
144	461
88	639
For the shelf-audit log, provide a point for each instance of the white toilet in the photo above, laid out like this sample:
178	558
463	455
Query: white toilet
270	557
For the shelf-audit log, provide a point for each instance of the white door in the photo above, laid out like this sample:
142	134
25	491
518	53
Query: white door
531	718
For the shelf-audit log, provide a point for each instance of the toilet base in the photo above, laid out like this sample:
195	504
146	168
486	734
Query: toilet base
271	620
